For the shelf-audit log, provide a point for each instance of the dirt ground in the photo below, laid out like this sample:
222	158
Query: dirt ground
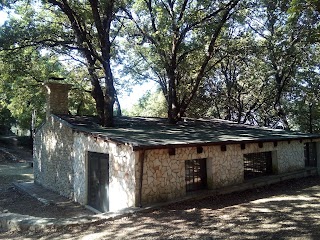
288	210
14	167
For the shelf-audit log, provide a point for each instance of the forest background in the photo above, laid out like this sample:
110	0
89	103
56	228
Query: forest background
253	62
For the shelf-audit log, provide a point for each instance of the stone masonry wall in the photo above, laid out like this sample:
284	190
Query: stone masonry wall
164	175
52	159
290	156
122	182
57	98
60	164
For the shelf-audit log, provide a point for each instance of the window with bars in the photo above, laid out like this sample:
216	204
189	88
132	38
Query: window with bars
257	164
310	154
196	174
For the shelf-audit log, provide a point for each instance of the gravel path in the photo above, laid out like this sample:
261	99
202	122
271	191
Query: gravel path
288	210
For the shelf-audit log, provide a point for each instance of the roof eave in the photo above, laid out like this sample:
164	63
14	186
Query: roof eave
202	144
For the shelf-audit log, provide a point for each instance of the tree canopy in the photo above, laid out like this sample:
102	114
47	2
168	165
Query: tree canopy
177	40
84	30
254	62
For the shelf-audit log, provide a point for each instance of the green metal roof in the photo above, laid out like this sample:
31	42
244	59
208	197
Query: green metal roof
150	133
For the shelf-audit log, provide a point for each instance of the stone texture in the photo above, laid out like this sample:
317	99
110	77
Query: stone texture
61	164
53	162
164	175
60	157
121	170
57	98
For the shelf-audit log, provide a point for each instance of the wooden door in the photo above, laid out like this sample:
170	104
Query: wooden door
98	181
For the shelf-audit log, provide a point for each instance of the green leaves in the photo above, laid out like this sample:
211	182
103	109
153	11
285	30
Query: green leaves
150	105
177	42
22	74
245	61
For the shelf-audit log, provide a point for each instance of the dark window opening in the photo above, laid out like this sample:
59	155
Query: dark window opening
196	175
199	149
172	151
310	154
257	165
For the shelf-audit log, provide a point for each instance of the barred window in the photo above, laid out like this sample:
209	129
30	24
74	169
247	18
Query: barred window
257	164
196	174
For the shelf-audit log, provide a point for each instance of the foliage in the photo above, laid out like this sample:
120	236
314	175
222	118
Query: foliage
150	105
269	58
22	74
6	120
253	62
304	103
232	90
80	99
176	42
84	30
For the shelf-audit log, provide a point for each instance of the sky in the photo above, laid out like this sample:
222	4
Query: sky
126	100
3	17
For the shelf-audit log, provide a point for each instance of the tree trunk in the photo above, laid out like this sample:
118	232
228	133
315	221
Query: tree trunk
173	108
97	94
109	94
95	50
118	112
282	115
310	118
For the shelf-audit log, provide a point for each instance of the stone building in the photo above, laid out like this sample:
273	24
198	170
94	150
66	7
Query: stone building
142	161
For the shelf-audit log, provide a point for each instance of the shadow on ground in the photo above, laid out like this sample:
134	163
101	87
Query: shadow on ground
289	210
15	167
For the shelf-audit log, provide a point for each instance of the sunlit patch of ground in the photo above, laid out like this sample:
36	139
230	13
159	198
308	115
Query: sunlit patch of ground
289	210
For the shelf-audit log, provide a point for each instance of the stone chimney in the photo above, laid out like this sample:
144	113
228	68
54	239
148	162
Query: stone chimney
57	97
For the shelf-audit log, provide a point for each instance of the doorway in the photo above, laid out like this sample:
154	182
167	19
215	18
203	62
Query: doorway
98	181
310	154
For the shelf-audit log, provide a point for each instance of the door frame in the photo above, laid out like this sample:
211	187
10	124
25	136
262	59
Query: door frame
103	156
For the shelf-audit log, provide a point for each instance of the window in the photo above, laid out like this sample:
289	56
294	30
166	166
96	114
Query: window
310	154
257	164
196	174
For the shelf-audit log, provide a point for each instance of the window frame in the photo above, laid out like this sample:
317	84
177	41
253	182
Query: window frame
196	174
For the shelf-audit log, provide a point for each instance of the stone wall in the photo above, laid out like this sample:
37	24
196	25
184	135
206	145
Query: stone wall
53	163
290	156
61	164
121	170
164	174
57	98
